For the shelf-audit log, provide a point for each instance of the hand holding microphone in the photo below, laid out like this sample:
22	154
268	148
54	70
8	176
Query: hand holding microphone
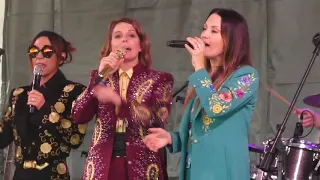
195	46
178	43
196	52
110	64
35	98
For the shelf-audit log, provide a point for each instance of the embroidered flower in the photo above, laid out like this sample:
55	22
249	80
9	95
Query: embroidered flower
225	96
206	83
222	99
8	113
68	88
212	88
18	91
217	108
239	93
243	86
245	79
207	120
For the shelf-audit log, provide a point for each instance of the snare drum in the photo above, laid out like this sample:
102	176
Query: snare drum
299	159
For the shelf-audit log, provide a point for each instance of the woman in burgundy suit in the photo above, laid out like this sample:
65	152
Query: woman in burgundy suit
127	98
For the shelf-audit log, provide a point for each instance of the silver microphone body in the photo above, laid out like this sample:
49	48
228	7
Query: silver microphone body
37	73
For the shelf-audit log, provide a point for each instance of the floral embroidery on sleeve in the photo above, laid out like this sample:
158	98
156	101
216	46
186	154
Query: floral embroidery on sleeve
208	84
243	86
219	102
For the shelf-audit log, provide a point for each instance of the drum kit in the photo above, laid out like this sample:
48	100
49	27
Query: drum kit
290	158
295	159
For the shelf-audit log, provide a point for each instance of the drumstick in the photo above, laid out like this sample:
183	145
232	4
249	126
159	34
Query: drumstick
275	93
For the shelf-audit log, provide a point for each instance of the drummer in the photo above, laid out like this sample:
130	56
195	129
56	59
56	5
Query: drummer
308	117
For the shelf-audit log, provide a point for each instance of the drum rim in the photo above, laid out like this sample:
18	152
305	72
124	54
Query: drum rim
303	144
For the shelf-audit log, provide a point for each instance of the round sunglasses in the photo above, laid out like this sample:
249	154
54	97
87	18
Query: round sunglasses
47	51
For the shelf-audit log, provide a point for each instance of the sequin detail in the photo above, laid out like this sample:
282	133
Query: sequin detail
149	98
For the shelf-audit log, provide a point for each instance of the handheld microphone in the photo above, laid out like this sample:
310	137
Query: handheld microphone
106	70
178	43
37	72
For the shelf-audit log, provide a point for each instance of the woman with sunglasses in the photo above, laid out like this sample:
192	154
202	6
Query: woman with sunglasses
44	138
131	98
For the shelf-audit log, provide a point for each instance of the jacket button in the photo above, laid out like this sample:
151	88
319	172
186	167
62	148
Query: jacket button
129	162
127	143
195	141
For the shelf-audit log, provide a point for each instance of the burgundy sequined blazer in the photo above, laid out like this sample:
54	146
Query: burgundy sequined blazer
148	105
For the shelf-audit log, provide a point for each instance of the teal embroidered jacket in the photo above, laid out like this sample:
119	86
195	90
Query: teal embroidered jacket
220	125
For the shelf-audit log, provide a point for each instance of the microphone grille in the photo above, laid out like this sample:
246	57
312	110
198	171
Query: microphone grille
38	69
169	43
121	52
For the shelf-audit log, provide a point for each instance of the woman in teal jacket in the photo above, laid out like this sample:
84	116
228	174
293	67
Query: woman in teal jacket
213	135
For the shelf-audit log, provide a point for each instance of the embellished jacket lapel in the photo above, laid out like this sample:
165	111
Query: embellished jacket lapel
137	71
184	126
21	119
114	81
21	109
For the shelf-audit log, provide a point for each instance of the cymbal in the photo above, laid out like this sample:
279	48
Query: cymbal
313	100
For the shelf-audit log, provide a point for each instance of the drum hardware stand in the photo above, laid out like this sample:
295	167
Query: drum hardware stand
84	153
179	98
270	153
180	89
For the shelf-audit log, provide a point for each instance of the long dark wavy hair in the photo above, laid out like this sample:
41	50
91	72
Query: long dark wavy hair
236	51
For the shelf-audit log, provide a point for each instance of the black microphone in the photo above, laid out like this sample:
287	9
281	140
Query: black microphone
178	43
37	72
298	130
